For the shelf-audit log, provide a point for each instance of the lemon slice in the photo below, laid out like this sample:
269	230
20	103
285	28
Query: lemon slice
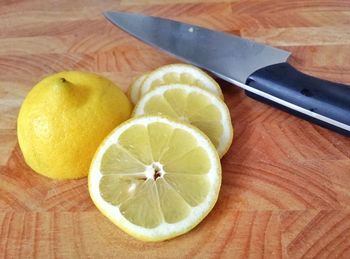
192	105
155	178
182	74
134	88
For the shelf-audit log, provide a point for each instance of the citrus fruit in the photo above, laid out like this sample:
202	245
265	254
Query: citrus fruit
134	88
64	118
155	177
183	74
192	105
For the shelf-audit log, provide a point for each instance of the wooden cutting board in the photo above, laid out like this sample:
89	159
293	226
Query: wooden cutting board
286	182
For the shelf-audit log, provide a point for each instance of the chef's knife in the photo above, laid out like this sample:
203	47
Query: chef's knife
261	70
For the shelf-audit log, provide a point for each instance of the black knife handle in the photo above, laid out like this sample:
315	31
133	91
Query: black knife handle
329	99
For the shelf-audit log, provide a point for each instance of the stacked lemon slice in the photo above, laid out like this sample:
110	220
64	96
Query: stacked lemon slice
157	175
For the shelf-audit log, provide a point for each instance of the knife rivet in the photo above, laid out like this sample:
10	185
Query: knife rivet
306	92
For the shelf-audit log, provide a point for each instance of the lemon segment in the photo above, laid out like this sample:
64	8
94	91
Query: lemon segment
183	164
182	74
192	105
142	208
117	160
192	188
160	196
177	100
196	101
180	143
136	142
159	135
173	206
126	187
162	105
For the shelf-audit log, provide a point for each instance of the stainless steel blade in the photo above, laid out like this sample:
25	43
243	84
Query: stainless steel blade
229	57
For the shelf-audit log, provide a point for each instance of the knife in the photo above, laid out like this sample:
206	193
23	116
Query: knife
261	70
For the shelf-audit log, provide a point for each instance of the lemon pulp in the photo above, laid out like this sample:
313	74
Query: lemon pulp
155	179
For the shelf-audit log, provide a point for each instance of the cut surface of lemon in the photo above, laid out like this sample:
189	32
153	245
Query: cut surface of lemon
182	74
155	178
192	105
135	88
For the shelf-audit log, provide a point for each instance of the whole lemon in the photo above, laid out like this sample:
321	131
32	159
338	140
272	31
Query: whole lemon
63	120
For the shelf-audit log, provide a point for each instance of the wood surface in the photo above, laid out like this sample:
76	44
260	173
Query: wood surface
286	182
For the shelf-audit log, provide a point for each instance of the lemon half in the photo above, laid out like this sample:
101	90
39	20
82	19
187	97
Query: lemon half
155	178
63	120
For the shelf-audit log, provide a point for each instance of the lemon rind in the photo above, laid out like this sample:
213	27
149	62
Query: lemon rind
134	91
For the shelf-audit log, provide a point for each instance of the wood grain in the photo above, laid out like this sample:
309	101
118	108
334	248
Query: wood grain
286	183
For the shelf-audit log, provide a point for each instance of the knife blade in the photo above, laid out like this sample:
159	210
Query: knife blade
261	70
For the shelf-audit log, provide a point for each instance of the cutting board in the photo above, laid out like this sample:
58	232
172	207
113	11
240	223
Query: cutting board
286	182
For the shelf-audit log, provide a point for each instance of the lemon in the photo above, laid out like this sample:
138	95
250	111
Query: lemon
183	74
155	178
134	88
64	118
192	105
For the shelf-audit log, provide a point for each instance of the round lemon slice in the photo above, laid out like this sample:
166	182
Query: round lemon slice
193	105
134	88
155	178
182	74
